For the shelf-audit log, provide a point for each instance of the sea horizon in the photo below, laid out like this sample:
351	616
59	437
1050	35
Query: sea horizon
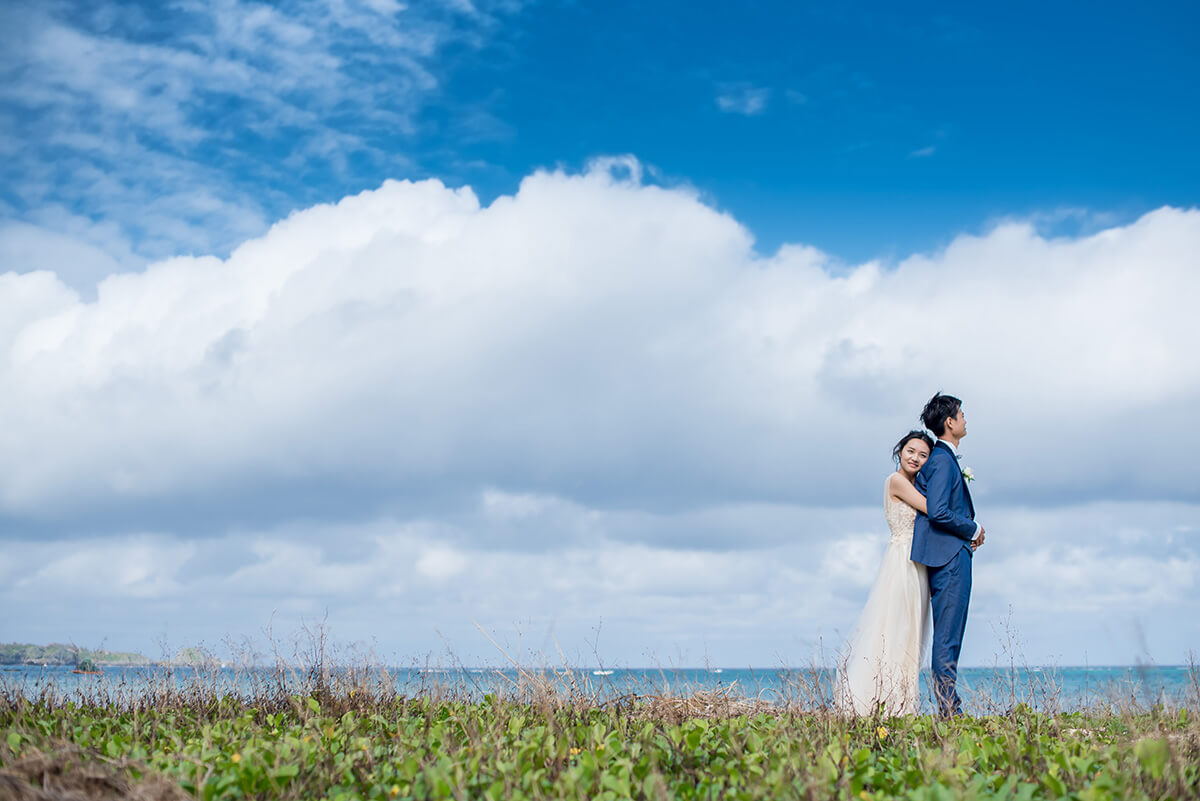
985	690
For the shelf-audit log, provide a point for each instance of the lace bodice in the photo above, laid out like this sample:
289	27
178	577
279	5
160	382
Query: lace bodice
900	516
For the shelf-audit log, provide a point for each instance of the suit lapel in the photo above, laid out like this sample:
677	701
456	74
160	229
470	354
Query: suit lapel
967	492
961	480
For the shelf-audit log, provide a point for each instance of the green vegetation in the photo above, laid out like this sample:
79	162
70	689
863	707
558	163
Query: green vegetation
360	741
195	656
58	654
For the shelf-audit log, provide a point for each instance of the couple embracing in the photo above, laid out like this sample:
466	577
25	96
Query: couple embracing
927	566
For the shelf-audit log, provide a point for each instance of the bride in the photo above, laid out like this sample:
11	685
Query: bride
882	662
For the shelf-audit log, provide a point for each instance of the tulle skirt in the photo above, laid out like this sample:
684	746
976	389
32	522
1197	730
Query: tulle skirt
881	664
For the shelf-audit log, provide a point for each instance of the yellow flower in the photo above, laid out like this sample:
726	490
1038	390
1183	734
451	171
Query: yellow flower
864	795
882	732
575	751
236	758
395	791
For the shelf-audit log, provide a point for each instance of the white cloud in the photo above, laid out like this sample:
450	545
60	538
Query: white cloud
742	98
79	251
594	400
599	338
141	566
440	563
508	505
189	131
414	587
853	560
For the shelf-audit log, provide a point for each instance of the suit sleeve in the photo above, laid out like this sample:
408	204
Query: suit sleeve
937	496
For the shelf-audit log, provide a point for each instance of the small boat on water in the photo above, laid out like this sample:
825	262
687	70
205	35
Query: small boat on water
86	666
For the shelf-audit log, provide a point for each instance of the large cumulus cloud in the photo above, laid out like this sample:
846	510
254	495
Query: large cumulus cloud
599	385
599	339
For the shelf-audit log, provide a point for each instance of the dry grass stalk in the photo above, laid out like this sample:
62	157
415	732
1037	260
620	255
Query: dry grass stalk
73	774
708	704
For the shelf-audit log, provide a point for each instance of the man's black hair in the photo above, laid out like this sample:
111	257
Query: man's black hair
939	408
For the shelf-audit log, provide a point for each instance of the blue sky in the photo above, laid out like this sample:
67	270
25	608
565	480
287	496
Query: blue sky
871	118
867	131
357	308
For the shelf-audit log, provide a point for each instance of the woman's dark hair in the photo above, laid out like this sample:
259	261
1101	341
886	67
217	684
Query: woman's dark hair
939	408
911	435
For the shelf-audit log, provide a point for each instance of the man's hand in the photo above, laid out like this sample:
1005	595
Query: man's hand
975	543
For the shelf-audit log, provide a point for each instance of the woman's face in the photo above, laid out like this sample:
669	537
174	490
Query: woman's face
913	455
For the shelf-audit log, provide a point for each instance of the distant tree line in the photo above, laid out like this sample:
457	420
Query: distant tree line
59	654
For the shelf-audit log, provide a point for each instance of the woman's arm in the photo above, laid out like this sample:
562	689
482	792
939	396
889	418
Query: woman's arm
903	490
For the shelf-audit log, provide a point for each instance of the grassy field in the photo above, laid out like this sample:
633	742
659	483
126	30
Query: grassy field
355	738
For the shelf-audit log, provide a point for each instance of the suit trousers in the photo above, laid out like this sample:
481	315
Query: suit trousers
949	595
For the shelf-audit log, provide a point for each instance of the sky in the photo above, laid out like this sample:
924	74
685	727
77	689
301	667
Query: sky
588	328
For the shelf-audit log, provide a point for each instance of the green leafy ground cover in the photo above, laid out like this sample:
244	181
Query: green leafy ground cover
375	747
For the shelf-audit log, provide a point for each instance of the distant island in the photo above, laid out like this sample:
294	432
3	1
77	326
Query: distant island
16	653
58	655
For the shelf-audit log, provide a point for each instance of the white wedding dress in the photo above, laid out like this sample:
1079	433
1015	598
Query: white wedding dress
882	660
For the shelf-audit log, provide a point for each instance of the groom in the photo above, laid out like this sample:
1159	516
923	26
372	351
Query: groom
944	541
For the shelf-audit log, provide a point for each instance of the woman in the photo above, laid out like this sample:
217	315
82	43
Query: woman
882	662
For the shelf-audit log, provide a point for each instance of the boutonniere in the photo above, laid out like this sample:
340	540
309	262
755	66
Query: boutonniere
968	474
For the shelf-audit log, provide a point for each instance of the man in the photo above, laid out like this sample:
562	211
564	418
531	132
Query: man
944	540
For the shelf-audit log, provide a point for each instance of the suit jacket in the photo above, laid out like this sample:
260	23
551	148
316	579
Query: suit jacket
950	523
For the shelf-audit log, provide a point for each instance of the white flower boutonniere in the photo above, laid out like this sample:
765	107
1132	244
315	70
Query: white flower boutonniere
968	474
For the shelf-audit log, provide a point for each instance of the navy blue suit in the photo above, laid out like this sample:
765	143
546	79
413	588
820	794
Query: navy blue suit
942	542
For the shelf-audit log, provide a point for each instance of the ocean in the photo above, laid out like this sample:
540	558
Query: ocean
984	690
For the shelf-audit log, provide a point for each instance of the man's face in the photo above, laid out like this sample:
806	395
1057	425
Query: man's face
956	426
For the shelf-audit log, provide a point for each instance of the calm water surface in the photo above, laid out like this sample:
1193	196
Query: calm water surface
983	689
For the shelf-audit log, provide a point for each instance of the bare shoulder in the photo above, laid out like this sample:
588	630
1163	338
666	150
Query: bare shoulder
892	481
